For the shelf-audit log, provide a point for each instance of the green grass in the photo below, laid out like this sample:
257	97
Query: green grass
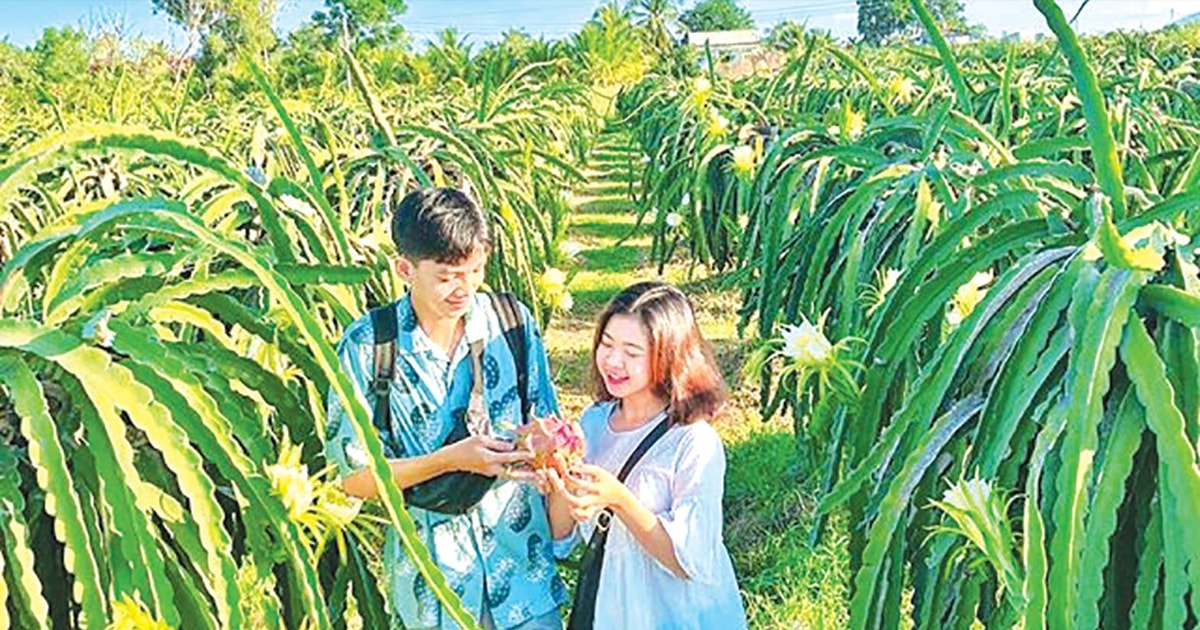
785	582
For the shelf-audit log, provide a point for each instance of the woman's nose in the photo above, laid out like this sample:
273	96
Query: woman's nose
612	359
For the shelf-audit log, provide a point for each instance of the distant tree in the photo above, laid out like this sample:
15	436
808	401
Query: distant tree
391	64
785	35
195	17
307	59
499	60
680	62
62	53
515	43
449	54
880	19
877	19
657	19
716	15
222	28
366	21
246	26
17	67
111	34
543	49
516	49
609	48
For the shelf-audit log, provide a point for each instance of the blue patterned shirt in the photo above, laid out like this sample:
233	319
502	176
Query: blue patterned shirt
504	543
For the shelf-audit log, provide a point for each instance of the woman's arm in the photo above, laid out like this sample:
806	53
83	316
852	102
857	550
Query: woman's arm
596	488
648	530
683	538
558	508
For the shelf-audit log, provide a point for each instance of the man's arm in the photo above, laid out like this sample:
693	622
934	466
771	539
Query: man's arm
478	454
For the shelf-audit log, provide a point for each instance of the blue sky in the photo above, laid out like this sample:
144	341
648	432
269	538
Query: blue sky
24	20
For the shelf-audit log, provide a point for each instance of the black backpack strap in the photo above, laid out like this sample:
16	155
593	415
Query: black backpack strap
383	322
513	325
583	609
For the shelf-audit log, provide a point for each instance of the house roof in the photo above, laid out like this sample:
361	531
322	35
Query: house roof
717	39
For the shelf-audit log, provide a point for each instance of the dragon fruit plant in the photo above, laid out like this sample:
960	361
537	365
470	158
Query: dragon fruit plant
555	443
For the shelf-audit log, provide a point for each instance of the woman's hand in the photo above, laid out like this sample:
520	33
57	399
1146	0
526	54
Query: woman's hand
592	489
547	480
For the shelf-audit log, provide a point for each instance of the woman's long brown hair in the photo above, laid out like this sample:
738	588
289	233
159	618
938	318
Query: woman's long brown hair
682	369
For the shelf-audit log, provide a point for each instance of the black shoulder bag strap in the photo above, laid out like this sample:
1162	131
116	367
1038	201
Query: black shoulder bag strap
514	334
383	322
583	609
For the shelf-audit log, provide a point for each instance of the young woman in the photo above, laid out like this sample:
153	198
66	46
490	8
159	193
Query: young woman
664	564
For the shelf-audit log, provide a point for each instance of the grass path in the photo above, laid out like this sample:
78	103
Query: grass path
784	582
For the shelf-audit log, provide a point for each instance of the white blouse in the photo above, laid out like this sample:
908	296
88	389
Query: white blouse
681	479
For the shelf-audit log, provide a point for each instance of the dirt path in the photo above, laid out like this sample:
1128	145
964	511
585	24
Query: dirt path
784	582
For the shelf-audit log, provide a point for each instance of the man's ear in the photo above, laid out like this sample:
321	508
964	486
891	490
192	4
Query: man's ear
405	268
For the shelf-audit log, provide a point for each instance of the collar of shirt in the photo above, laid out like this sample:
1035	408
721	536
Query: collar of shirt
410	337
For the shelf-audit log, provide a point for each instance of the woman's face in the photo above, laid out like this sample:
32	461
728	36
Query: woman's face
623	357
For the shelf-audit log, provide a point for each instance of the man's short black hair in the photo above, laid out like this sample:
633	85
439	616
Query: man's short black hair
439	224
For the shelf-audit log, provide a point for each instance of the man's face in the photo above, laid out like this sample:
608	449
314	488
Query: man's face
444	290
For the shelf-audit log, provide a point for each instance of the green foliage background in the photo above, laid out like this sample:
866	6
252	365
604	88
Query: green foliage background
995	241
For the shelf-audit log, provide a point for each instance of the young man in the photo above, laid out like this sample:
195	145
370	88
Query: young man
497	555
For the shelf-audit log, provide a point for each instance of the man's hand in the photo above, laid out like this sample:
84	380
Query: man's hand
484	455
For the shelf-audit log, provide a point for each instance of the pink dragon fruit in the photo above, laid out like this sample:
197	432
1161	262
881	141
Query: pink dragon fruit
555	443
